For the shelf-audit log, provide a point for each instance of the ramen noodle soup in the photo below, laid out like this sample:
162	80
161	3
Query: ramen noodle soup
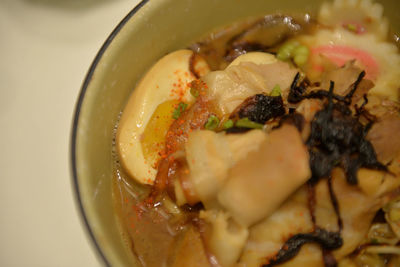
273	141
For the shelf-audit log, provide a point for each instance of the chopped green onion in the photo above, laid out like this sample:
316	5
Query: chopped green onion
276	91
212	123
228	124
352	27
194	92
246	123
179	110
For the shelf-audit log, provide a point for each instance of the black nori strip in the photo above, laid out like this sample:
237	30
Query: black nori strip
327	240
237	130
311	201
337	137
260	108
296	93
335	204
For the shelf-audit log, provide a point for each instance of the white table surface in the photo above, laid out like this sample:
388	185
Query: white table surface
46	47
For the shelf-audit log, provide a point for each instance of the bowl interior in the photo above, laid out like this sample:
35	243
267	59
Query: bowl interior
151	30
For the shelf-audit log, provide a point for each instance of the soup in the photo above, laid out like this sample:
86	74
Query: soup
270	142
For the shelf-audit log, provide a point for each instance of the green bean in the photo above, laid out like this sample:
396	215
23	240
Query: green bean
300	55
286	50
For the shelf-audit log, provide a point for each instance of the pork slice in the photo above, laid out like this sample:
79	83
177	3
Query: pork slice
384	136
258	184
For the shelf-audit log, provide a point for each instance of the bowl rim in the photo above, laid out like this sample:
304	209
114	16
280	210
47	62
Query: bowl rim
74	129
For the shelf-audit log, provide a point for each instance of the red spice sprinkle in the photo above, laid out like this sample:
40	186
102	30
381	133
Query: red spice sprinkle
368	19
138	211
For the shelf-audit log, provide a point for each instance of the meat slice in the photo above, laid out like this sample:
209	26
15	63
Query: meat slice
230	87
268	236
209	157
343	78
384	136
259	183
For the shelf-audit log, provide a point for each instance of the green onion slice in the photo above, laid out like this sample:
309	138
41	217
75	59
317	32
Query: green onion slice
212	123
194	92
276	91
179	110
228	124
246	123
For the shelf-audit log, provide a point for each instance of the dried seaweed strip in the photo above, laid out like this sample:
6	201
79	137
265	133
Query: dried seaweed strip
259	108
327	240
337	137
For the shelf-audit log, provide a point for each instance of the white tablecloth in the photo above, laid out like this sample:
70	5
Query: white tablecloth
46	47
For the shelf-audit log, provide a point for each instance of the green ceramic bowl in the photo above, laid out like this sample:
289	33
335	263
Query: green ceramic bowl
149	31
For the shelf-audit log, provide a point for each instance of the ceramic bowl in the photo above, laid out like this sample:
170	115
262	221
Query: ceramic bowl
149	31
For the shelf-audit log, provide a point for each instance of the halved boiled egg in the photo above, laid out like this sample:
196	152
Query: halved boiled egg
149	112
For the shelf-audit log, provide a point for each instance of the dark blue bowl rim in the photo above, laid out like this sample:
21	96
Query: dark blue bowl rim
75	122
